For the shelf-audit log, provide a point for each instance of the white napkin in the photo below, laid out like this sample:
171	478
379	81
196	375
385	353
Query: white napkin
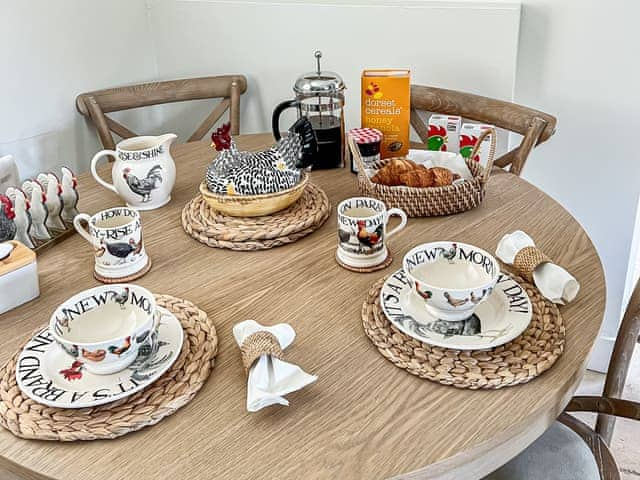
553	281
431	158
271	378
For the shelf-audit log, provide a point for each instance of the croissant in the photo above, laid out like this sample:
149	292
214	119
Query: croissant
441	176
390	173
419	177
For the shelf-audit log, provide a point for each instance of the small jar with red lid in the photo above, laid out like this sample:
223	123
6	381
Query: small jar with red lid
368	141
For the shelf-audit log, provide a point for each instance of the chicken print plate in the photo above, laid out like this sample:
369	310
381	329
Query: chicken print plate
48	375
501	318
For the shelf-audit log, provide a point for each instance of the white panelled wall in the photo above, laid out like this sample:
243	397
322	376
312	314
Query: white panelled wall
571	58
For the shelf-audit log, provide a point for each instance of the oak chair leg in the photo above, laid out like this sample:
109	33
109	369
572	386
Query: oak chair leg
603	456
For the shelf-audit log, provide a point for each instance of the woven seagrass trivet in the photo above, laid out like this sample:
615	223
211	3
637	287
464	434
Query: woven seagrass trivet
27	419
516	362
257	233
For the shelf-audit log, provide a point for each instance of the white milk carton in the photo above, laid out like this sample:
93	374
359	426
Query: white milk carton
444	133
469	134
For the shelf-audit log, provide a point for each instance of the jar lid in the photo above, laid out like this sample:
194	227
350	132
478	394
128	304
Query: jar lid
319	82
365	135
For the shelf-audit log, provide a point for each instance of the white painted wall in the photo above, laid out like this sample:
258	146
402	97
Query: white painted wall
50	52
272	43
577	61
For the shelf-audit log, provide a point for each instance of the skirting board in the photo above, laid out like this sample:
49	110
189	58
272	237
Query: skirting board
601	354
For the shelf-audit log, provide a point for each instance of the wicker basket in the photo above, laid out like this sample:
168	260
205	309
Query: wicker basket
433	201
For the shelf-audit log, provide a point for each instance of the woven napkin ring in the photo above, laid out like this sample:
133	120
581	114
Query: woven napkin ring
527	260
257	344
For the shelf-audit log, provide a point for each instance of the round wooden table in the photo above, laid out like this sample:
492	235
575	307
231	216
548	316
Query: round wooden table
364	418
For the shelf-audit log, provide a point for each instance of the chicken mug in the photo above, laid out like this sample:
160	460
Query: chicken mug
116	237
144	171
362	231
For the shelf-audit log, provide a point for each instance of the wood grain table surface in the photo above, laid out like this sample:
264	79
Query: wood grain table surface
363	418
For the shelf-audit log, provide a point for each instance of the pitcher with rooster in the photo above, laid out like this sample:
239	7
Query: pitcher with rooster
143	173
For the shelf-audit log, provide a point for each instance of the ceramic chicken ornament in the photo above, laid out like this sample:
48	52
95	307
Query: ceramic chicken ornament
69	195
38	209
22	218
53	189
7	215
235	172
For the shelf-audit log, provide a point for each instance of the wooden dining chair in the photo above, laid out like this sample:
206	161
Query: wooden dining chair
95	105
571	449
535	126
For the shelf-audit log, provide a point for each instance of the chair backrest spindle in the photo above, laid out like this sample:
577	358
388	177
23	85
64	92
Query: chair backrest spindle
535	126
95	105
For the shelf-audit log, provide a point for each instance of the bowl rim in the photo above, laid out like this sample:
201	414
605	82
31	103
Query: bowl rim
304	179
84	293
421	246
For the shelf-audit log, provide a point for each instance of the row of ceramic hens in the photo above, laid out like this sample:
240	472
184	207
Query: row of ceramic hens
39	210
235	172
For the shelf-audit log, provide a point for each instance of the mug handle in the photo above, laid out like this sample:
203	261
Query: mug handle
94	172
403	220
80	229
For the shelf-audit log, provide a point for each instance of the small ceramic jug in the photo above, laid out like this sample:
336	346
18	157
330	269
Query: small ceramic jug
144	171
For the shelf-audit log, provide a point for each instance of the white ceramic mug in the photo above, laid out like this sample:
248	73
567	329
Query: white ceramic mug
144	171
362	231
116	237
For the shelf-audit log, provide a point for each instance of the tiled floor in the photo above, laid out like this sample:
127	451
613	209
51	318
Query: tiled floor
626	438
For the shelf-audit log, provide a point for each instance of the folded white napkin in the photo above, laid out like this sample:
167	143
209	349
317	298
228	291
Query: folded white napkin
431	158
271	378
553	281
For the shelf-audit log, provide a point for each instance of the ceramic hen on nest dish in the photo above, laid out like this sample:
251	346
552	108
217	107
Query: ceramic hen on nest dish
250	184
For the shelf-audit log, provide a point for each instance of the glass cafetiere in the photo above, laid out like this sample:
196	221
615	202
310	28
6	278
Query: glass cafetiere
320	98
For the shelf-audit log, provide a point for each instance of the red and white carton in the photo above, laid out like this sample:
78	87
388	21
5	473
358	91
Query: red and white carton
444	133
469	134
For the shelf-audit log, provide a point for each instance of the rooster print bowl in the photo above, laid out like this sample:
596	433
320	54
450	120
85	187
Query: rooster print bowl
451	278
102	328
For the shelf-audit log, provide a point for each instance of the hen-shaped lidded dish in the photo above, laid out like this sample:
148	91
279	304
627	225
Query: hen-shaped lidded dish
235	172
240	183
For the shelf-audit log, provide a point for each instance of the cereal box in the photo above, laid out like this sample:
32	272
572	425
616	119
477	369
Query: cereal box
444	133
469	134
385	106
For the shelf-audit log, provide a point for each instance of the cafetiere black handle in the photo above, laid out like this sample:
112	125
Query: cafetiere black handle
275	118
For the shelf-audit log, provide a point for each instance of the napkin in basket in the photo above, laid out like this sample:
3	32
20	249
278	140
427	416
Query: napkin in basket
433	158
270	377
553	281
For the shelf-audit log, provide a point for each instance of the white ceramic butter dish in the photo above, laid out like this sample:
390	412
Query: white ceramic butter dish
18	275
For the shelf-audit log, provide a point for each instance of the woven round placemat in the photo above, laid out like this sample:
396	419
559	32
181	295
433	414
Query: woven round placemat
516	362
257	233
27	419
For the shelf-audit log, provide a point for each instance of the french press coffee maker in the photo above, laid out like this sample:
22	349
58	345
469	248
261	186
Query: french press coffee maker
319	98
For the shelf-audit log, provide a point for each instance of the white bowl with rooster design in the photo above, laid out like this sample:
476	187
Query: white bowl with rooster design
451	278
102	328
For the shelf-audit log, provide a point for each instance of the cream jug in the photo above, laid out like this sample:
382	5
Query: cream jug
144	171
